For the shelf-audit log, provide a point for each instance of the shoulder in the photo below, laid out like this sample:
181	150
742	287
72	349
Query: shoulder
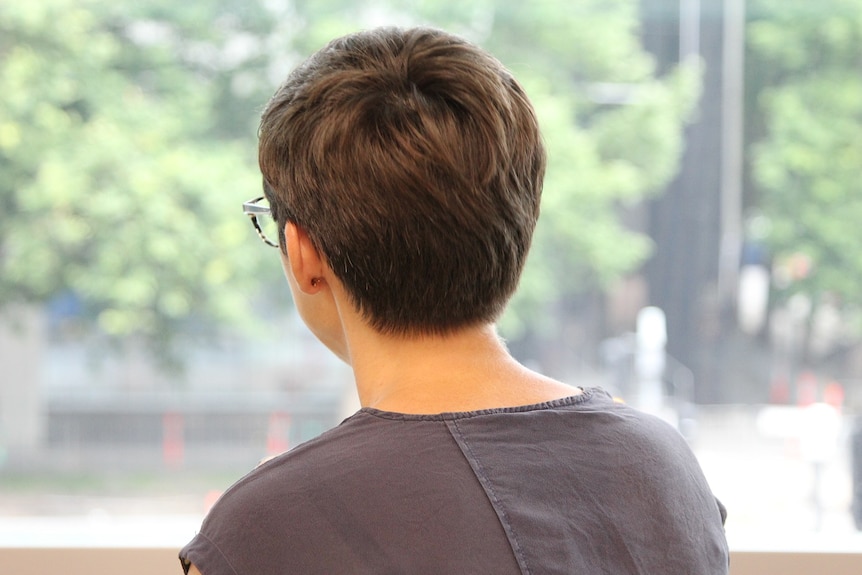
355	465
614	421
627	474
360	439
282	507
374	482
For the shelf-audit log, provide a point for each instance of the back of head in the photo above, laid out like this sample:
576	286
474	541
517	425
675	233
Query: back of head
413	160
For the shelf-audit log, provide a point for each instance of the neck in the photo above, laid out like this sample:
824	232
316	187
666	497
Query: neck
464	371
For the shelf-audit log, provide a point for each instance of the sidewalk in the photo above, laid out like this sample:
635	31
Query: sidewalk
768	487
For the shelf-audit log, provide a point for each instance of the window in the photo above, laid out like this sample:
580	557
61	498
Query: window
697	253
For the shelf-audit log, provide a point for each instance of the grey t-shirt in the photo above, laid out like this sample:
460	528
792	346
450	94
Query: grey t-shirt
579	485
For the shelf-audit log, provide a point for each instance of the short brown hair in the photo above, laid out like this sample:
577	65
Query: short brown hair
413	160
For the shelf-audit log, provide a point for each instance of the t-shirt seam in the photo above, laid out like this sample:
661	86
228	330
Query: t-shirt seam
488	488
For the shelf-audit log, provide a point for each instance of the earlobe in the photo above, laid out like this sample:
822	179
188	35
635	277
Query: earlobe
305	261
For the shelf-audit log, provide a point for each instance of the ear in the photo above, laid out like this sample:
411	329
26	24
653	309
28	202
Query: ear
305	261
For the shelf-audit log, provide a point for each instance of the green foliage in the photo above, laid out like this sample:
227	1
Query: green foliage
807	163
114	182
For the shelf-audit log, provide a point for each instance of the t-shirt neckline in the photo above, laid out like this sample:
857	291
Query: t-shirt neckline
586	395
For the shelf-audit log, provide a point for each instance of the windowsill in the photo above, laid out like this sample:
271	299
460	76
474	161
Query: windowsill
97	543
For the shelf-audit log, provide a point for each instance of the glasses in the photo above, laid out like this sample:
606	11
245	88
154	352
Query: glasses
258	212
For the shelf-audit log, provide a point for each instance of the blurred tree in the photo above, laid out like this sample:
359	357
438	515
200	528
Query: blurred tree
805	85
125	150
